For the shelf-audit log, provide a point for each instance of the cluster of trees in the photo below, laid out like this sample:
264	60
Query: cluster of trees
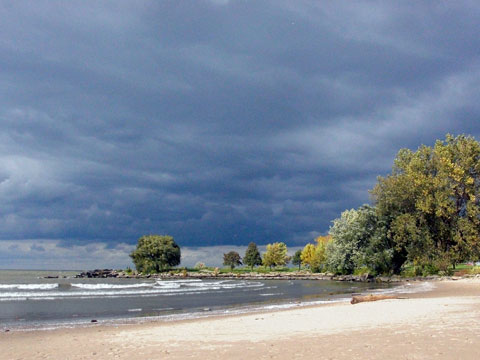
313	255
426	214
429	204
275	255
157	253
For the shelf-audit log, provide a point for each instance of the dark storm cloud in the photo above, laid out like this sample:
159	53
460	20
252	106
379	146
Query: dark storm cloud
219	122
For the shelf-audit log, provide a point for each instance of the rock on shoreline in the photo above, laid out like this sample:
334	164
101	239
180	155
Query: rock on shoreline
299	275
98	273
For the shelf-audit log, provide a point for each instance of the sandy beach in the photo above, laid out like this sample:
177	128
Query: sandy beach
443	323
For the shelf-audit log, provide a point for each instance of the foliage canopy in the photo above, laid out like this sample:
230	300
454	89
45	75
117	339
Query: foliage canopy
252	256
357	241
297	258
426	213
276	255
155	253
232	259
314	256
430	203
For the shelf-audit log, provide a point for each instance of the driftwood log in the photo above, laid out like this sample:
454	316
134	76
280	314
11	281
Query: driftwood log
372	297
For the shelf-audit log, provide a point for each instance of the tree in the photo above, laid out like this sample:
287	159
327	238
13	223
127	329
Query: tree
276	255
319	257
232	259
430	203
314	256
155	253
358	240
252	256
308	255
297	258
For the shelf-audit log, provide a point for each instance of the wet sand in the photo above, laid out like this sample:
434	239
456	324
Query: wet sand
440	324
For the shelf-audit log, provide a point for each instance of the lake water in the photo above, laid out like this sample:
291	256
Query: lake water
30	301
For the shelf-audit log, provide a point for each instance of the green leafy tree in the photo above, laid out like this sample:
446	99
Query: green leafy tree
155	253
357	241
232	259
297	258
276	255
252	256
430	203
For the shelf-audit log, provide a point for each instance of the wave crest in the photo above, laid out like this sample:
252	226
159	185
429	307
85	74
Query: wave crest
29	286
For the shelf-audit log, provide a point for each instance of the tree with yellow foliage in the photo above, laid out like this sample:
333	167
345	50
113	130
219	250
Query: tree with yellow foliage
313	256
430	203
276	255
308	255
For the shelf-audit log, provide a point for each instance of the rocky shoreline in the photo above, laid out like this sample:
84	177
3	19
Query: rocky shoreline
298	275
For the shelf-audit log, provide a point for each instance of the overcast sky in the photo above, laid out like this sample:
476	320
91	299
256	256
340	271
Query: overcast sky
217	122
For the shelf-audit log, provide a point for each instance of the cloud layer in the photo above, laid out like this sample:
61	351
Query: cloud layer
218	122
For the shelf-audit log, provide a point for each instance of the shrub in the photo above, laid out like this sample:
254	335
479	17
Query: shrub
475	270
199	265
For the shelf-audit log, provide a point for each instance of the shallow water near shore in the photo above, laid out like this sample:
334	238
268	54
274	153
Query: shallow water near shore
28	300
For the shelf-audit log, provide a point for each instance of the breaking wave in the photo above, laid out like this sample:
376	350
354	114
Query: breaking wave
10	292
29	286
110	286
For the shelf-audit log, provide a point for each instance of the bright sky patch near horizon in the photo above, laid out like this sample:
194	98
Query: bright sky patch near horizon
217	122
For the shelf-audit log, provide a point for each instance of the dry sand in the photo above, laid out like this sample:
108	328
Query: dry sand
440	324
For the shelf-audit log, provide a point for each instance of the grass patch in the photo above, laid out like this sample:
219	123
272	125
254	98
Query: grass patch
362	271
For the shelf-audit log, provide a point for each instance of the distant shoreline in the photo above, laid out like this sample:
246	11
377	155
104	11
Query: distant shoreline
297	275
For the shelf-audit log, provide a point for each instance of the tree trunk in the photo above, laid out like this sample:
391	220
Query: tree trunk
372	297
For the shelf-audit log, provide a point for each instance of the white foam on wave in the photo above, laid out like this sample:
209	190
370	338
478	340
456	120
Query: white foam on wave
408	288
29	286
168	285
200	314
226	284
164	288
111	286
299	304
82	294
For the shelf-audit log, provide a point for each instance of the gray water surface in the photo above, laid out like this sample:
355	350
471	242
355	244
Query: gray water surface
28	300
